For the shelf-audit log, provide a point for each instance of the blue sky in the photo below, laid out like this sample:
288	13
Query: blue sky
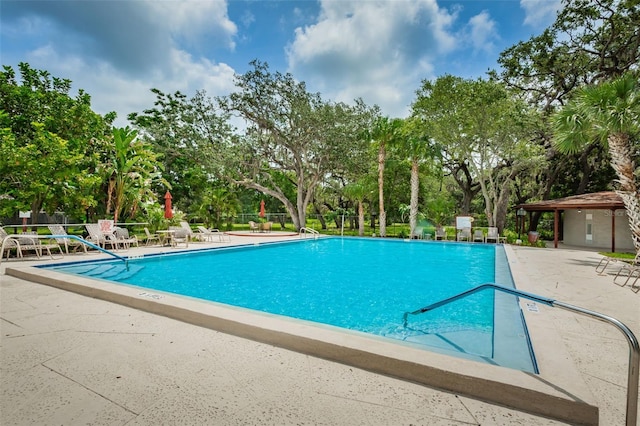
380	51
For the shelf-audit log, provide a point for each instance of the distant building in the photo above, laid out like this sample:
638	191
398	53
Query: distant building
597	220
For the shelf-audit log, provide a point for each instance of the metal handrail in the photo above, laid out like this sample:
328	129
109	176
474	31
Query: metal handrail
313	232
634	348
73	237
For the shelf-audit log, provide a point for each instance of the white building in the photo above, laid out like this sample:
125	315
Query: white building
597	220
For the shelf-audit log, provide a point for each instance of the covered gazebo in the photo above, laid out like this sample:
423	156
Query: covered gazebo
589	220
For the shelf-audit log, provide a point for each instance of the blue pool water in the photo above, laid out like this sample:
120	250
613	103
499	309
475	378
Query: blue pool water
359	284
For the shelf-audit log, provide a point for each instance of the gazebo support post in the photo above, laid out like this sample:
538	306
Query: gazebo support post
613	231
556	221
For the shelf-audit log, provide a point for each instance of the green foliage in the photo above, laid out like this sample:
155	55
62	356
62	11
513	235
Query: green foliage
153	214
292	133
50	144
131	170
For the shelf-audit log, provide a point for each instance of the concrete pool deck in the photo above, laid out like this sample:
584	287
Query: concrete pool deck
72	359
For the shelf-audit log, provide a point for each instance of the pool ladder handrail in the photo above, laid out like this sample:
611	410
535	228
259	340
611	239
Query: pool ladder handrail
304	230
634	348
73	237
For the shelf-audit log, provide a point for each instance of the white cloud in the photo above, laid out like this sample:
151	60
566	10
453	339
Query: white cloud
371	49
118	60
190	20
540	13
482	31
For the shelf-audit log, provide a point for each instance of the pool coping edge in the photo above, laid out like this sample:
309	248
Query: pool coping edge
537	394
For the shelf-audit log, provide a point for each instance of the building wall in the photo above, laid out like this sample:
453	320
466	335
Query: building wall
592	228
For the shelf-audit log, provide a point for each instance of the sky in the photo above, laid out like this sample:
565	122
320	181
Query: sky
380	51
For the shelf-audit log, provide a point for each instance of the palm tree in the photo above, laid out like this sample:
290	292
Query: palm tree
417	146
608	113
358	191
131	170
385	132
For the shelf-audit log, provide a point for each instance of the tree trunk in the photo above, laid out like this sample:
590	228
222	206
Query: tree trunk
323	223
360	218
413	208
383	214
623	163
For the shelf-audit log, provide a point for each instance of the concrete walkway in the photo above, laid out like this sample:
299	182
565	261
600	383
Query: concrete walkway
68	359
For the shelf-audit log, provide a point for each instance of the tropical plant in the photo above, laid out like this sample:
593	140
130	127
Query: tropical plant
358	191
608	113
131	170
417	147
385	132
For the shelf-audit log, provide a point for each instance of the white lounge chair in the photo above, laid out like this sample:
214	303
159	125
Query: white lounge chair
66	242
478	235
606	260
7	243
26	242
211	234
253	227
190	234
100	238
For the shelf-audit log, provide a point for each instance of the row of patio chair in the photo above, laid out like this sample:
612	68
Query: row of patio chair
25	242
115	237
102	234
478	235
260	227
626	272
183	234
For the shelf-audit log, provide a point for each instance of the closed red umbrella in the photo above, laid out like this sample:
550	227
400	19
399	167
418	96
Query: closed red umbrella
262	213
168	213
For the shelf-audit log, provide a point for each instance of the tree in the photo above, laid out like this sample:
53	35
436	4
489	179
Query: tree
589	42
131	170
291	133
189	135
417	146
482	130
51	144
385	132
217	205
608	113
358	191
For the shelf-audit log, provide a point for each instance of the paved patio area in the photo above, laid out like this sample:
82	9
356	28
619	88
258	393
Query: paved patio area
69	359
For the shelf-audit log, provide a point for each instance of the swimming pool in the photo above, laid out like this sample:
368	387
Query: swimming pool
364	285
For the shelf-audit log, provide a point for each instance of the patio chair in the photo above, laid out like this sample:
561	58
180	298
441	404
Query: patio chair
441	234
31	242
190	234
266	227
99	238
211	234
492	235
478	235
464	234
253	227
630	270
150	237
66	242
606	260
124	239
179	235
8	242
